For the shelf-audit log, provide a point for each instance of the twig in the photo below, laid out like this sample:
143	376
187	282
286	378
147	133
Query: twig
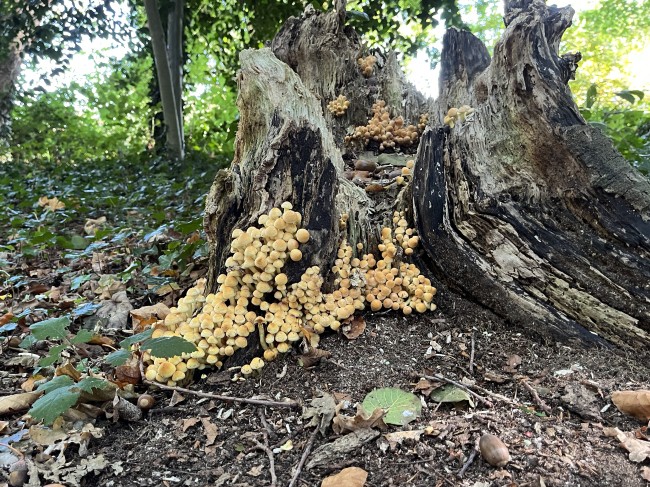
9	447
303	458
266	424
536	397
471	354
467	463
257	402
460	386
269	453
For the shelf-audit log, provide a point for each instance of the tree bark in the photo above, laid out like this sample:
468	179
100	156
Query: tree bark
523	207
165	81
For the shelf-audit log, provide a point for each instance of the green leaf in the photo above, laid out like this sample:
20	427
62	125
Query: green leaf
84	336
119	357
53	355
76	282
79	242
401	407
55	383
626	95
592	94
54	403
52	328
166	347
451	393
127	343
87	384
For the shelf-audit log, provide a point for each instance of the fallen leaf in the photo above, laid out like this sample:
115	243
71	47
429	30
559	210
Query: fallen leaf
494	377
355	328
128	373
634	403
398	437
645	473
512	363
426	387
69	370
639	450
115	311
401	407
210	430
582	401
451	393
188	423
342	424
92	225
147	315
348	477
255	471
6	318
312	357
176	398
321	410
52	204
45	436
18	402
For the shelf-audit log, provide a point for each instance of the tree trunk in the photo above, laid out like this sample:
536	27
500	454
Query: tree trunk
520	206
165	81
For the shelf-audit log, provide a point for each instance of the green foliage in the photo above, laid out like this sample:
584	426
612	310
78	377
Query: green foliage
60	394
626	122
401	407
166	347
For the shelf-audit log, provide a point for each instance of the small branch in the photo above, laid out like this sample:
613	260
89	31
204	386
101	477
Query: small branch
303	458
257	402
269	453
467	463
460	386
471	354
536	398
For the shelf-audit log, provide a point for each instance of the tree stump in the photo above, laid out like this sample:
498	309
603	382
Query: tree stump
521	206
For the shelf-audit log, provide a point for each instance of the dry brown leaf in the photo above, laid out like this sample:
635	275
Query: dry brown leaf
426	387
5	318
188	423
147	315
92	225
115	311
312	357
348	477
342	424
45	436
30	384
51	204
3	426
634	403
512	363
69	370
18	402
639	450
398	437
211	431
355	328
176	398
494	377
645	473
128	373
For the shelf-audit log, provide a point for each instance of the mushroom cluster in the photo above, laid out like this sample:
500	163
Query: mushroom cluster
367	65
457	115
338	106
255	299
387	132
405	173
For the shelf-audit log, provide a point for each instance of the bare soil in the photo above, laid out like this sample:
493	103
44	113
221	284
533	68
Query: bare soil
205	442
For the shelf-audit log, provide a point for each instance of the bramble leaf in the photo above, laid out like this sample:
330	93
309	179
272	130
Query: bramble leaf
52	328
166	347
401	407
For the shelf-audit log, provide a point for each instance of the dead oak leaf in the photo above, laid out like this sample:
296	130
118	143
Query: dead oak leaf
312	357
51	204
188	423
512	363
398	437
342	424
147	315
210	430
355	328
115	311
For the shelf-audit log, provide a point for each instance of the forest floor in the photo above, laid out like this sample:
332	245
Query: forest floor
548	402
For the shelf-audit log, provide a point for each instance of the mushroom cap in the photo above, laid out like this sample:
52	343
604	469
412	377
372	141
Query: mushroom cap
166	369
302	235
295	255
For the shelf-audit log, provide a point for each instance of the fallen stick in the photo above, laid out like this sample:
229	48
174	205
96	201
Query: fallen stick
244	400
536	398
467	463
459	385
303	458
471	355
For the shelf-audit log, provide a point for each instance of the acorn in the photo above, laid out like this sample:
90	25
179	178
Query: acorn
493	450
146	402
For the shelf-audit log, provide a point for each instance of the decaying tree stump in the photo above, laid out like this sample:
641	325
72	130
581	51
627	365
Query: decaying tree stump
522	208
